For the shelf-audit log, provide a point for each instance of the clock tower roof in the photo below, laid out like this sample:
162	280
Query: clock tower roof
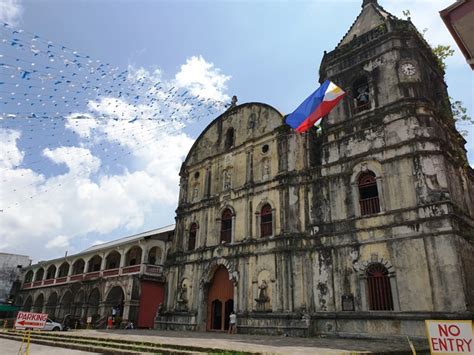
371	16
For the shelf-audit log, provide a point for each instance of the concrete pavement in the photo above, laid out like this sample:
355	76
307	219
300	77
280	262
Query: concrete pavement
261	343
8	346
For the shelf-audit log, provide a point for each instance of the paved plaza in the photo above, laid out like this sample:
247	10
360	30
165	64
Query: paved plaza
8	346
260	343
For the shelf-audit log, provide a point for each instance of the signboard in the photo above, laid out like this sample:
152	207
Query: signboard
30	320
348	302
450	337
89	320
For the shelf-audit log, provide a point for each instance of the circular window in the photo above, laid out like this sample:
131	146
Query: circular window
196	174
265	148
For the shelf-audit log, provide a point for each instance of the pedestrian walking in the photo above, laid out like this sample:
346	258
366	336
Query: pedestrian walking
232	323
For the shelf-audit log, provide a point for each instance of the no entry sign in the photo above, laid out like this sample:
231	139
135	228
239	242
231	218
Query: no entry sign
30	320
450	337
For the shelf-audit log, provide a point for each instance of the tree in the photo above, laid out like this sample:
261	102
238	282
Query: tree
442	52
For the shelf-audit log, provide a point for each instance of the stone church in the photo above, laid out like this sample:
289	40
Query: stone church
364	226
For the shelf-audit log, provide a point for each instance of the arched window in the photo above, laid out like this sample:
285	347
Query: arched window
78	267
39	275
368	194
361	95
133	256
63	269
154	256
378	287
112	261
94	263
229	138
51	272
29	276
192	236
226	226
266	221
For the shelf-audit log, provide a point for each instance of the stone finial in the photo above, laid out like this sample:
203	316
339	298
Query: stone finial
367	2
233	103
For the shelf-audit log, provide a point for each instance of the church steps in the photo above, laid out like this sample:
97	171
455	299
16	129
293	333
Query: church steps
106	345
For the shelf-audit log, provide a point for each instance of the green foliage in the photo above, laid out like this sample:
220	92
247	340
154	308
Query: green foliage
460	112
442	52
460	115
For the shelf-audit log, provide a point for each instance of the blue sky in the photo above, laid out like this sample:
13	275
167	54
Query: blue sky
265	51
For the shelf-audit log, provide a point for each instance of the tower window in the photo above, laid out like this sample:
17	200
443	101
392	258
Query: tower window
229	138
378	287
368	194
192	236
226	226
266	221
361	95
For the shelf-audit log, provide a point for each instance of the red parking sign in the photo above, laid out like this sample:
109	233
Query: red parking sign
30	320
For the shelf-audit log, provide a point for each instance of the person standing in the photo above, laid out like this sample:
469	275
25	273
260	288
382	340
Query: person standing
114	314
232	323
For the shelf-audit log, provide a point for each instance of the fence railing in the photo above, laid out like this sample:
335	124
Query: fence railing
369	206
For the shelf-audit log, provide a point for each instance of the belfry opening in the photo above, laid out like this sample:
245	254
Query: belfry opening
220	301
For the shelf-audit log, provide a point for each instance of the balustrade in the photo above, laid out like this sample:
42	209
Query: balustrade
152	270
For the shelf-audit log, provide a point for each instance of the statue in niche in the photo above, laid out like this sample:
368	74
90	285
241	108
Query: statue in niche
161	310
195	192
227	179
263	298
251	122
182	299
265	169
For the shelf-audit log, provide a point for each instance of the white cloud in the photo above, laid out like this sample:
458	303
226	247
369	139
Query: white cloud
11	11
88	199
10	155
203	79
78	160
59	242
82	124
75	204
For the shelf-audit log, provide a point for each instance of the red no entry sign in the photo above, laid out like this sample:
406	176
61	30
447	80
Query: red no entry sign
450	337
30	320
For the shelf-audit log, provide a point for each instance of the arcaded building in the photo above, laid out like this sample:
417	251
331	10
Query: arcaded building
362	227
126	274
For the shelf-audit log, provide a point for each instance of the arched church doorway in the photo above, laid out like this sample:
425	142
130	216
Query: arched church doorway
220	301
114	301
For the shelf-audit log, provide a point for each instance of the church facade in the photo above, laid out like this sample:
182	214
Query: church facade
362	228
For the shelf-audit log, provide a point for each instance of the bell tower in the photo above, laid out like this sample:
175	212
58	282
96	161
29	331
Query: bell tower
394	184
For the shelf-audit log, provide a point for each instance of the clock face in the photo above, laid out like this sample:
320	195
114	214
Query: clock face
408	69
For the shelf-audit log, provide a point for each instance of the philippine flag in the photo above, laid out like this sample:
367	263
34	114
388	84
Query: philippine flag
317	105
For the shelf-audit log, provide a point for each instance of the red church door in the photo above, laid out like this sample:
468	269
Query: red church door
220	301
152	294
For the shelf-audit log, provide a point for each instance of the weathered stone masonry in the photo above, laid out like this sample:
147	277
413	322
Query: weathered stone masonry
371	222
